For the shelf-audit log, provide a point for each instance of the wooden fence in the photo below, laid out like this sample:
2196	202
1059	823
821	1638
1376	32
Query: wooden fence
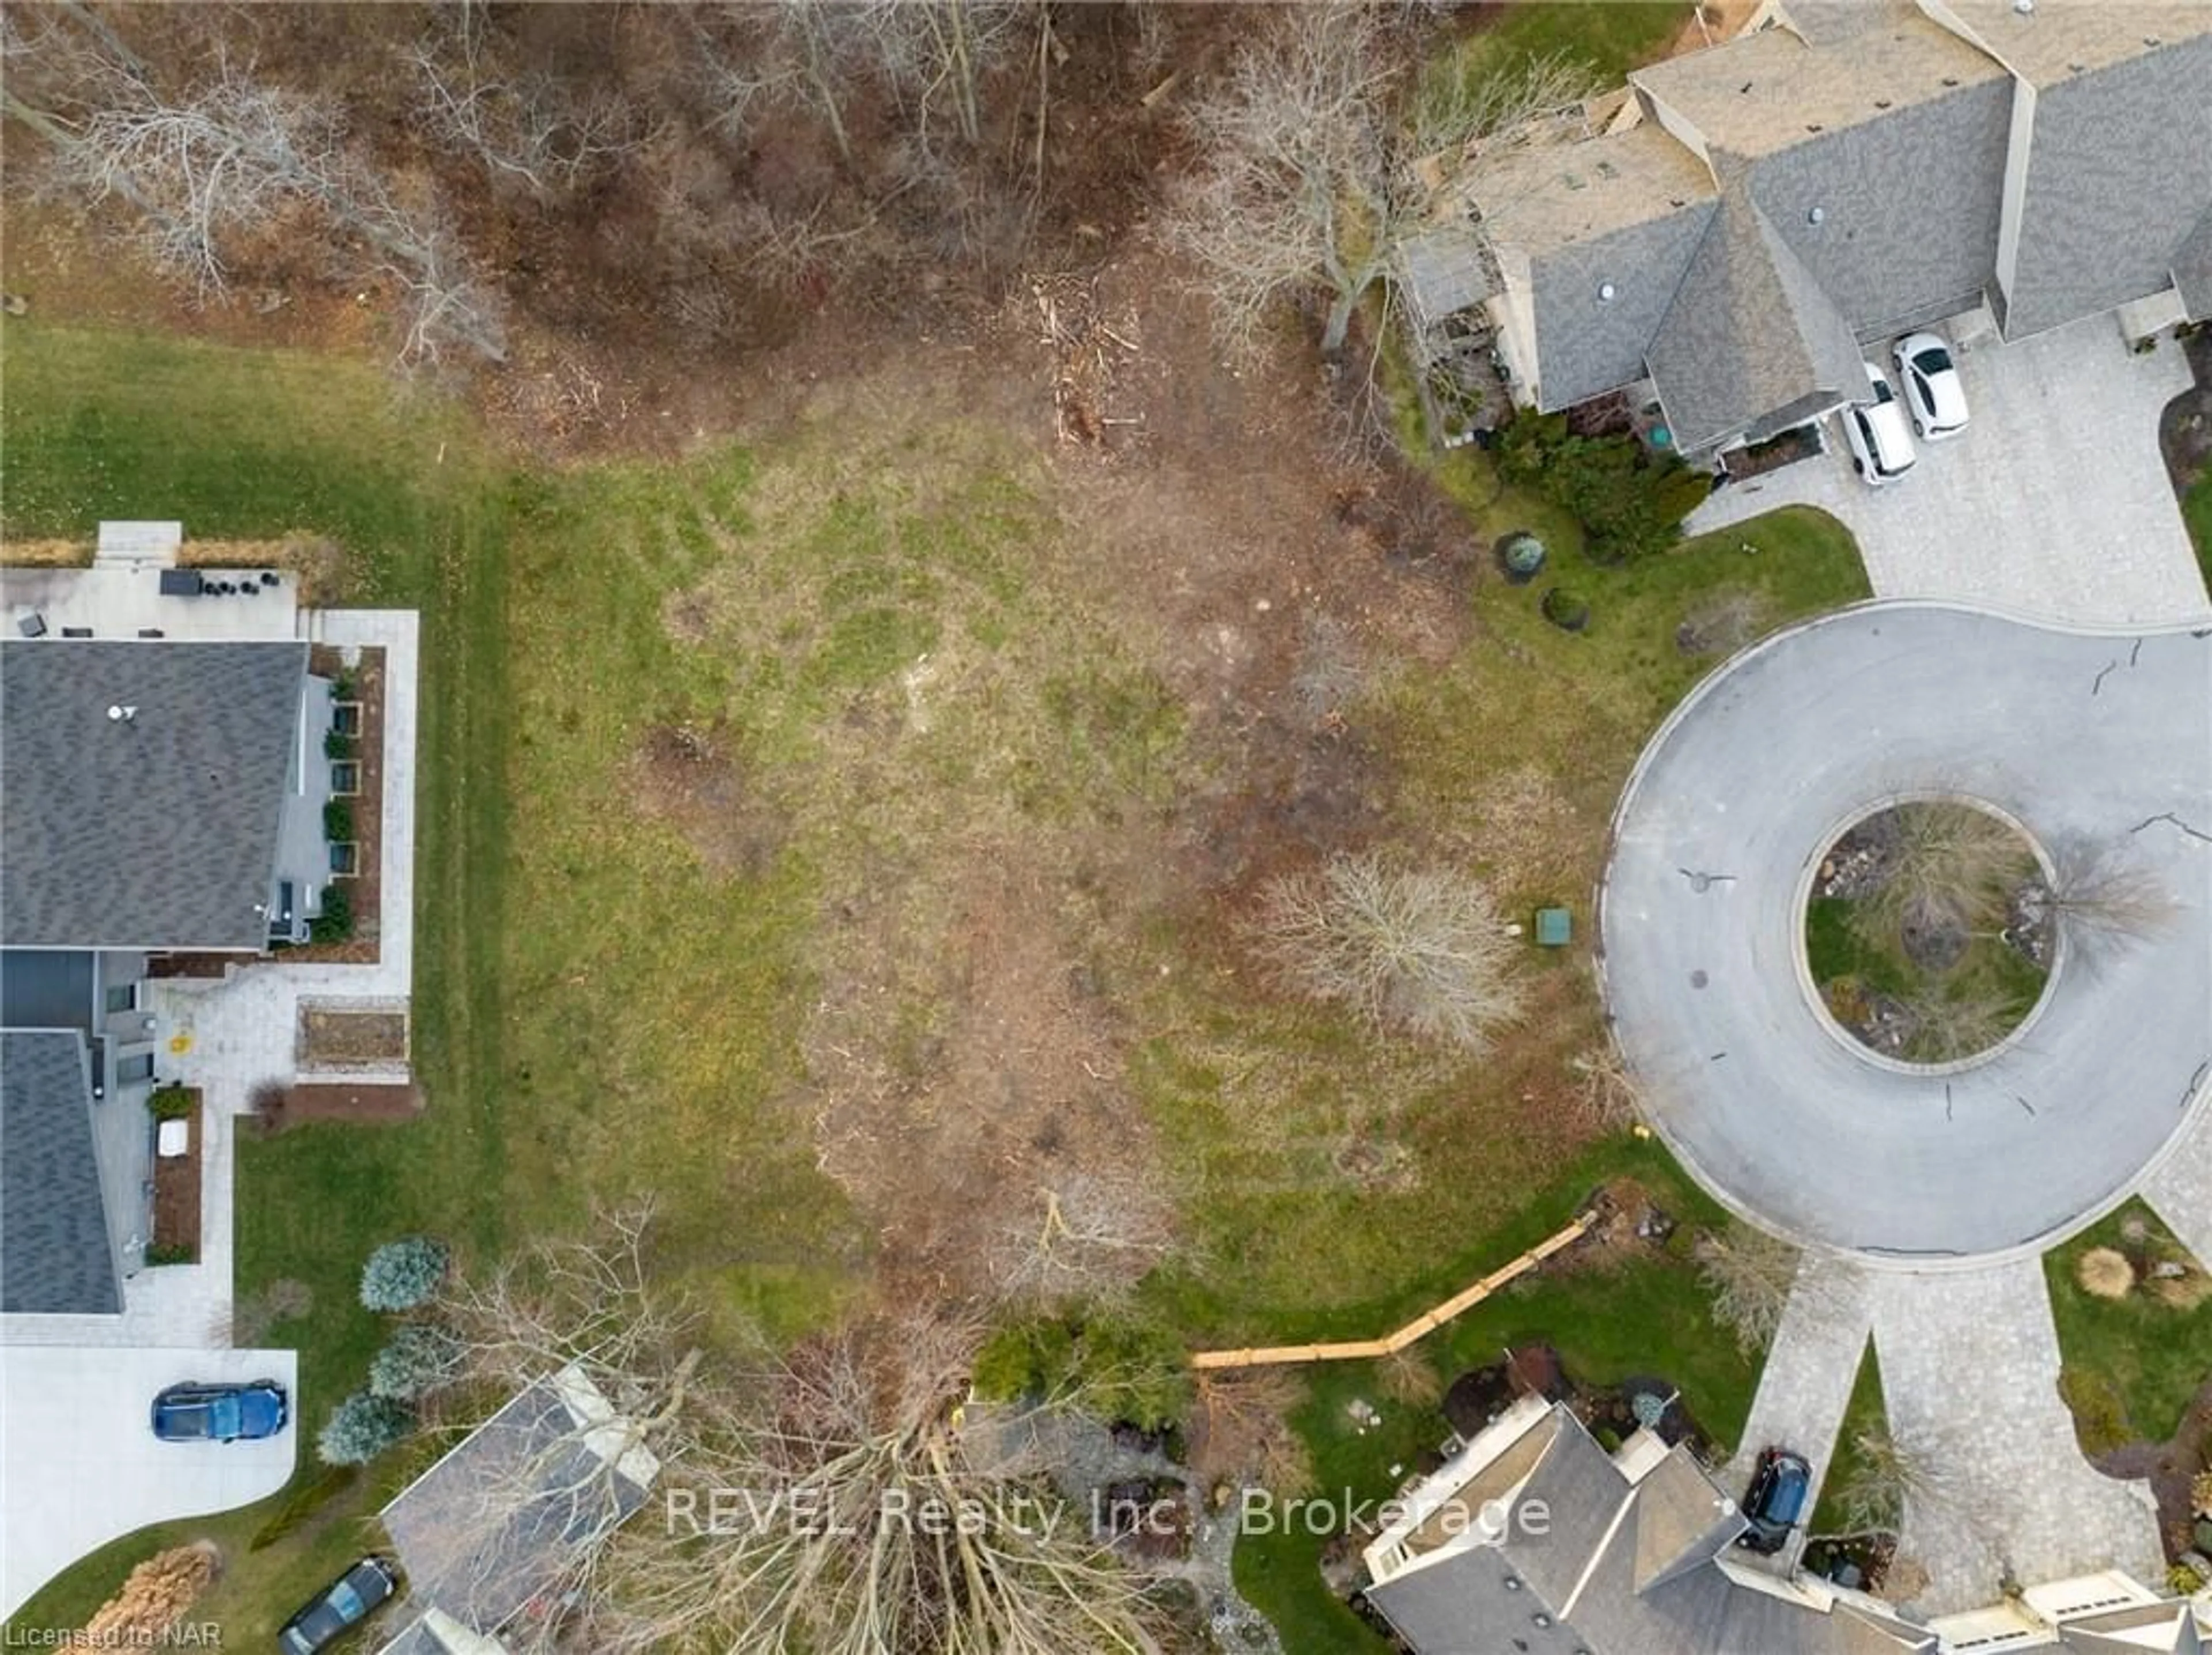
1422	1325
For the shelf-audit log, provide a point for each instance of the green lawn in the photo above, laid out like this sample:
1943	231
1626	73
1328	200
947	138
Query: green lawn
1865	1415
2147	1357
2197	510
1611	36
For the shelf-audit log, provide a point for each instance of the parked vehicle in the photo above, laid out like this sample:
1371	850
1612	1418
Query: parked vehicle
1932	389
212	1412
1881	448
1775	1502
346	1602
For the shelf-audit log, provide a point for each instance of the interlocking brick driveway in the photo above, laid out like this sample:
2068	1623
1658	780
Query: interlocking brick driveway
2053	502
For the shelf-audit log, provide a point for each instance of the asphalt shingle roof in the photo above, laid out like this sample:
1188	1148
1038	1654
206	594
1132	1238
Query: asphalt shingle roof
2119	175
55	1256
1622	1569
154	830
489	1526
1750	333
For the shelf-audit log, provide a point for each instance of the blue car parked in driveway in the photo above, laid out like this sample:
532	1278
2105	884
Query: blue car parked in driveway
197	1412
1775	1502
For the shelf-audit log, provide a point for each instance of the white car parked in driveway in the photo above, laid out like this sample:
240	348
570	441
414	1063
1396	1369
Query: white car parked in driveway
1932	389
1881	449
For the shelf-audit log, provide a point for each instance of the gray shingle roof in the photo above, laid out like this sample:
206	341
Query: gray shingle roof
1909	207
1763	93
2119	175
154	830
1587	344
1650	1579
1750	332
482	1560
55	1256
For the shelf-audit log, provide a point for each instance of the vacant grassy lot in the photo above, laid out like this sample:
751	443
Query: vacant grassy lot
803	839
2145	1355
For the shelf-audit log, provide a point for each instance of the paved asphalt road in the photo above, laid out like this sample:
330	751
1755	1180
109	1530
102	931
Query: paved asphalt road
2081	738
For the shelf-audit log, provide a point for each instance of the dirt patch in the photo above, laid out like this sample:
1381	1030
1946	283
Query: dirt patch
959	1109
276	1107
176	1228
46	554
330	1037
686	776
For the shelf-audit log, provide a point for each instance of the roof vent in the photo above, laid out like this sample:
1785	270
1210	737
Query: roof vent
1605	292
1513	1582
118	713
1541	1619
2024	8
1817	216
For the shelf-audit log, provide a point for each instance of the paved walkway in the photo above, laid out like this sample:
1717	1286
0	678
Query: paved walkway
2054	501
2100	740
1805	1388
2181	1189
1970	1373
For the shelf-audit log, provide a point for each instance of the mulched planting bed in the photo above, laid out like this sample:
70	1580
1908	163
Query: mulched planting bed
177	1198
331	1038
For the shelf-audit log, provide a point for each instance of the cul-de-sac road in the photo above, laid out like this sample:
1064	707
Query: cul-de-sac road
2087	739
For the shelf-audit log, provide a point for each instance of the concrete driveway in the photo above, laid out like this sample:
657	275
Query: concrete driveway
2105	739
80	1464
2053	502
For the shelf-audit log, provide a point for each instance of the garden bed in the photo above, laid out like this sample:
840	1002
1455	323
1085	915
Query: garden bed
351	1037
1929	931
174	1237
362	682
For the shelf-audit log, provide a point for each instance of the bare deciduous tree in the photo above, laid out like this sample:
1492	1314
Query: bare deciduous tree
230	161
534	129
1240	1431
1421	950
1605	1094
881	1521
1884	1476
1305	180
2102	900
1091	1234
1750	1275
1951	864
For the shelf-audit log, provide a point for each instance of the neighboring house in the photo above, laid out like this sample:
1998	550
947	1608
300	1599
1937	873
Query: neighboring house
1755	217
492	1534
161	796
1533	1538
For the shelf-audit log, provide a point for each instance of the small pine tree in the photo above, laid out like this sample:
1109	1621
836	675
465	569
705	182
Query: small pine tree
360	1427
420	1357
402	1275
